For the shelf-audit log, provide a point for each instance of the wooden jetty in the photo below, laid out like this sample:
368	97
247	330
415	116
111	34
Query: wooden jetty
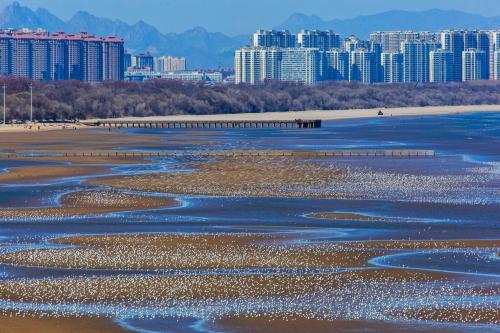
143	123
222	153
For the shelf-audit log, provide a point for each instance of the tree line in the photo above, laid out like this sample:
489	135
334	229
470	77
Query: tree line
73	100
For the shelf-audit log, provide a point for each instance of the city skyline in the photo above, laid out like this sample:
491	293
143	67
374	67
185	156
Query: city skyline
388	57
244	17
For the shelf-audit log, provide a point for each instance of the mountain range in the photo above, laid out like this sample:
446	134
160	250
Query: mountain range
204	49
362	26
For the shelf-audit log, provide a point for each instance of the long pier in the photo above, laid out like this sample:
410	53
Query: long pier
136	123
221	153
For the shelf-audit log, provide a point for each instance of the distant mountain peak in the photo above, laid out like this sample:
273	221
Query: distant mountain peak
14	4
82	13
434	19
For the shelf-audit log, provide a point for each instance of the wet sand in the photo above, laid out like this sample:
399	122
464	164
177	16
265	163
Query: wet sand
86	139
221	251
89	203
239	176
426	244
297	176
263	324
87	159
144	289
455	314
20	324
347	216
153	252
40	173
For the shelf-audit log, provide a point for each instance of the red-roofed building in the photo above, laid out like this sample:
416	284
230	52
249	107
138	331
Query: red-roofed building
60	56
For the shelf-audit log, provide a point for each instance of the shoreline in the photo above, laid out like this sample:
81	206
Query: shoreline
40	127
324	115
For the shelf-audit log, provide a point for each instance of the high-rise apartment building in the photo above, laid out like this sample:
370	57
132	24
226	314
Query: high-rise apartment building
40	56
483	44
353	43
496	65
337	65
247	65
274	38
392	67
144	61
391	40
113	59
416	60
494	45
167	64
453	41
271	64
127	61
363	66
376	49
470	39
300	65
254	65
440	66
323	40
474	65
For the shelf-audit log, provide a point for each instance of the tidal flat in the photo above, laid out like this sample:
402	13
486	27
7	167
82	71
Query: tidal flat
194	242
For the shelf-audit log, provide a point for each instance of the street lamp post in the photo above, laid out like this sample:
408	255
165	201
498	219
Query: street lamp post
31	102
4	107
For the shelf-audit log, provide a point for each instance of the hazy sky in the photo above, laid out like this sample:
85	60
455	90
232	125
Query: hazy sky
242	16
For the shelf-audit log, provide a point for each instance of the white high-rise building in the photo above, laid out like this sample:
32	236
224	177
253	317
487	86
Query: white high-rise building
474	65
392	67
167	64
323	40
416	60
255	65
300	65
441	66
337	63
363	67
274	38
496	65
391	40
247	65
494	46
353	43
453	41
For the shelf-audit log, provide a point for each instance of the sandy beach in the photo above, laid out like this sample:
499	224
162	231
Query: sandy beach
326	115
90	203
265	324
40	173
22	324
